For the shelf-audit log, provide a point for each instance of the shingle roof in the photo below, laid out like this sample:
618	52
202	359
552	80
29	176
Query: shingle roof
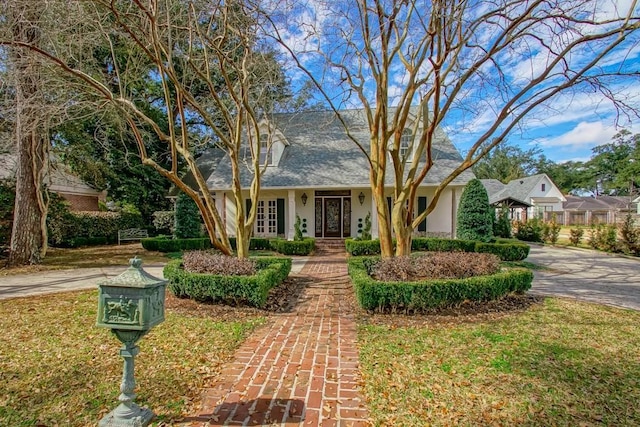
320	155
600	203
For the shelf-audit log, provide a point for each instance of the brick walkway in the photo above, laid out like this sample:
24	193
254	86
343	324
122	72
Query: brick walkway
303	369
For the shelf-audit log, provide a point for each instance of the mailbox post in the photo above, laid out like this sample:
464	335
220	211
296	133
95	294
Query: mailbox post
130	305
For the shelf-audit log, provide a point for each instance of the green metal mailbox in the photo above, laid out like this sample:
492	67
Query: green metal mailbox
130	305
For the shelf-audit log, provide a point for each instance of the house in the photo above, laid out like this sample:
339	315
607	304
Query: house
317	173
600	209
527	197
60	180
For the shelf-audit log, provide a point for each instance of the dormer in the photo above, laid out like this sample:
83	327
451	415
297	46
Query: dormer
407	140
272	143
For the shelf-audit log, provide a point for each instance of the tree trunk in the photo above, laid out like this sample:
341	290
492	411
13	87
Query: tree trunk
403	237
384	230
29	233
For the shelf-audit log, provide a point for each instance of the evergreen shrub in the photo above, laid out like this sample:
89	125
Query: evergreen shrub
188	223
529	231
295	247
162	244
505	251
475	215
362	247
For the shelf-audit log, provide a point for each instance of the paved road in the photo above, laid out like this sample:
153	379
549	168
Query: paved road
46	282
587	275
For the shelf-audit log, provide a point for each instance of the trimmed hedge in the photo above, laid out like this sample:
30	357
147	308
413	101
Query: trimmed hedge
252	290
362	247
294	247
255	244
442	245
505	251
162	244
424	295
64	227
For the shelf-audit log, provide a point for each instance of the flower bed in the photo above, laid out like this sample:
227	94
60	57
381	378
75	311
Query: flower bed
235	290
428	294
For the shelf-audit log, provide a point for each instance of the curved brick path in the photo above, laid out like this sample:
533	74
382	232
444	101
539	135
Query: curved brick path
303	369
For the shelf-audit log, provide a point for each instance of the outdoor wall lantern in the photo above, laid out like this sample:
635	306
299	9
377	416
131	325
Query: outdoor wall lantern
361	198
130	305
304	199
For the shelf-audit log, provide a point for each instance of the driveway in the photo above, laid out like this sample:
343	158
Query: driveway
587	275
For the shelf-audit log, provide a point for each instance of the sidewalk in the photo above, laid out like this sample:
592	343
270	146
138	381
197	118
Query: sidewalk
302	369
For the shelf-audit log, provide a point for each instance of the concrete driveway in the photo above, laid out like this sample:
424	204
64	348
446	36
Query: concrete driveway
587	275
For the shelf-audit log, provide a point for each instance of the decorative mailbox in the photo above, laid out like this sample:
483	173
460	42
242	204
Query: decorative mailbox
130	305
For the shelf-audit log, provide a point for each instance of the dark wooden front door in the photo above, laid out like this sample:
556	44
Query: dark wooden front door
332	217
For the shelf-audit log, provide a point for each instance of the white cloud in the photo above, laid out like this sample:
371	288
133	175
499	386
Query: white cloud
584	135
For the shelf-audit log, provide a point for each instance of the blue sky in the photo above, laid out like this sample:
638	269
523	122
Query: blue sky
565	128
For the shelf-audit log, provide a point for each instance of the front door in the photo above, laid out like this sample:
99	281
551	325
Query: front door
332	217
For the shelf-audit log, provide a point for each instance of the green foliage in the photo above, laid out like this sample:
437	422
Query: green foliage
234	290
66	229
188	222
529	231
508	162
433	244
575	236
298	229
366	231
7	202
424	295
504	251
629	236
362	247
604	237
162	244
551	231
296	247
164	221
475	215
502	227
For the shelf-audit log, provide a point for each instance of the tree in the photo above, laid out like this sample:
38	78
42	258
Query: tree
475	215
214	73
502	226
485	65
615	166
187	218
507	162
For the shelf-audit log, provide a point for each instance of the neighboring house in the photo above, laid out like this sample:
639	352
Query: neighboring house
81	197
527	197
601	209
316	172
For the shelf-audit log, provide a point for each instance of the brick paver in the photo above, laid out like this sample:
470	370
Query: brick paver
303	369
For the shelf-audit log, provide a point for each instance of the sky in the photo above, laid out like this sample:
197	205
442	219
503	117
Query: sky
565	128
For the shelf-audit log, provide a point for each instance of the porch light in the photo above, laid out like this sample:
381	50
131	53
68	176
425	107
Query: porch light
304	199
361	198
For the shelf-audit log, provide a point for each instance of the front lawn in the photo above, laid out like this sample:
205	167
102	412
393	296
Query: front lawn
57	368
557	363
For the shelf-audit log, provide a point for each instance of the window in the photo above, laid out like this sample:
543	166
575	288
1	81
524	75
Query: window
405	143
267	218
543	188
266	155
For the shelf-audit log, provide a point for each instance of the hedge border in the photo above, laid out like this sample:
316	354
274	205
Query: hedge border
294	247
375	295
235	290
163	244
505	250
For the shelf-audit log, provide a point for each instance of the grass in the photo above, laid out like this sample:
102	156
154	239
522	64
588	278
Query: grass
58	368
92	256
558	363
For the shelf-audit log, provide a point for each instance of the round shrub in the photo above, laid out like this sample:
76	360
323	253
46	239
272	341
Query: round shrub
475	214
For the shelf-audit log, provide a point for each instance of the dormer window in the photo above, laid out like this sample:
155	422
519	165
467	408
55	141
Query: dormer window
405	143
266	154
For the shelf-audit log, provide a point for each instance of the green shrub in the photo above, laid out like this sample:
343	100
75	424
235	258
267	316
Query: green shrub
164	221
252	290
255	244
424	295
502	226
64	226
504	251
188	222
162	244
366	231
433	244
529	231
575	236
475	215
7	201
362	247
551	231
84	241
629	236
298	229
287	247
603	237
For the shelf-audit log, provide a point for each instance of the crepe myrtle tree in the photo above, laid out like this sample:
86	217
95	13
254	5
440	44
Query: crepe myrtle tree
483	69
216	78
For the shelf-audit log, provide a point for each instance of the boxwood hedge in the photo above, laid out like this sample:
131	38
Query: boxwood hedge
294	247
423	295
252	290
506	250
163	244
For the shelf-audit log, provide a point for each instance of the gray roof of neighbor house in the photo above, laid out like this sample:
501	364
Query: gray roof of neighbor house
320	155
517	189
600	203
60	177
